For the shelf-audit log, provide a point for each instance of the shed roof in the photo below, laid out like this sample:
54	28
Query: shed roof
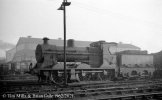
123	45
59	42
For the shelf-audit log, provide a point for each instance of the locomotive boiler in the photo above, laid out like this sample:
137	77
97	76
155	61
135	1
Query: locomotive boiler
83	63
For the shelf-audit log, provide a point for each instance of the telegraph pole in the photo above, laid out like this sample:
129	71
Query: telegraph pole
63	7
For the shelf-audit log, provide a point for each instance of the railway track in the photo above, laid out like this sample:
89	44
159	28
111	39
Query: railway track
95	90
25	85
114	91
98	93
135	96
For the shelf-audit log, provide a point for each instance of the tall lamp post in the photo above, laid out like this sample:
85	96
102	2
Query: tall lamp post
63	7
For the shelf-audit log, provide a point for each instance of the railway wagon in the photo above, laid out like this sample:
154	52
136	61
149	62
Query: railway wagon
83	63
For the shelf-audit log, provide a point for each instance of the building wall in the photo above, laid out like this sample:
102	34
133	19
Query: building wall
10	54
31	46
21	52
20	47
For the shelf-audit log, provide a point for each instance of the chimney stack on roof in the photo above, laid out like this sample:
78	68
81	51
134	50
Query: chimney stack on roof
29	36
45	40
59	38
70	43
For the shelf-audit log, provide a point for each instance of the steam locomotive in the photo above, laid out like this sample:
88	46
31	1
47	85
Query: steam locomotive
93	63
82	63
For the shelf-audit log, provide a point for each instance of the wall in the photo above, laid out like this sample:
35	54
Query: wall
10	54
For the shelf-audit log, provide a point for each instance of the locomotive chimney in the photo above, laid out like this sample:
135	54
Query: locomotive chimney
70	43
45	40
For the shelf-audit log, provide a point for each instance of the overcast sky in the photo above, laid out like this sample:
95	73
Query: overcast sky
138	22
